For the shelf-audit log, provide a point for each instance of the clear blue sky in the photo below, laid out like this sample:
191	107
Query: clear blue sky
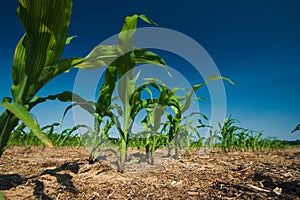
255	43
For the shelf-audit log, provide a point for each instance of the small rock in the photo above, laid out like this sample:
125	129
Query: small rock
193	193
174	183
277	191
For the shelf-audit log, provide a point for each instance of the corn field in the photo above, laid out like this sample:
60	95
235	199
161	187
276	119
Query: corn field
37	61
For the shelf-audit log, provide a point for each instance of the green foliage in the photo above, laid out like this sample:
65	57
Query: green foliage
271	143
233	137
120	76
21	113
155	110
36	61
188	135
228	134
67	137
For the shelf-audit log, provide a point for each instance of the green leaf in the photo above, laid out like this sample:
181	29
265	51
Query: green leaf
51	72
22	113
46	24
188	98
69	39
49	30
148	20
65	96
143	56
125	43
100	56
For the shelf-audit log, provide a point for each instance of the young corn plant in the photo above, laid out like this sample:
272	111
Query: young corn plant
153	120
120	75
189	129
186	104
20	137
275	143
228	134
151	124
68	138
242	139
210	141
180	106
253	140
36	62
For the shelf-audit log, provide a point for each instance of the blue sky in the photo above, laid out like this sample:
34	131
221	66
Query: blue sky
255	43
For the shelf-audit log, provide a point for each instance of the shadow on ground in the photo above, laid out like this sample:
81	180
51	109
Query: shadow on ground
8	181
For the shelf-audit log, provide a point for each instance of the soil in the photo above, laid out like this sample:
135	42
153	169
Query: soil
65	173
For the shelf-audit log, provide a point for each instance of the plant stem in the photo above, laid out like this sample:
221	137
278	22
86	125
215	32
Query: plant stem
123	149
7	124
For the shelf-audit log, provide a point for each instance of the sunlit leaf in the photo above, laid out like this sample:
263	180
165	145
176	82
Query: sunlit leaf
22	113
69	39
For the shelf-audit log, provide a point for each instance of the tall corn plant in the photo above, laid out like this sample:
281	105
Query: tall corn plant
36	61
120	75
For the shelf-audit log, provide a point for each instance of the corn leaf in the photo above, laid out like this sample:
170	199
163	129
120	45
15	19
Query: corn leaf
65	96
188	97
46	24
125	43
100	56
69	39
22	113
144	56
148	20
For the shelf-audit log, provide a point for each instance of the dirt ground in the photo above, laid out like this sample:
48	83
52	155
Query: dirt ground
65	173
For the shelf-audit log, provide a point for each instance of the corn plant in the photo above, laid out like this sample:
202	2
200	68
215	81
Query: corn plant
152	122
242	139
36	61
211	139
179	106
186	104
120	75
253	140
189	128
68	138
50	128
228	134
178	135
271	143
130	95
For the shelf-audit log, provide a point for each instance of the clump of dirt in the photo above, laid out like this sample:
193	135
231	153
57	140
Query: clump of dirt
65	173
